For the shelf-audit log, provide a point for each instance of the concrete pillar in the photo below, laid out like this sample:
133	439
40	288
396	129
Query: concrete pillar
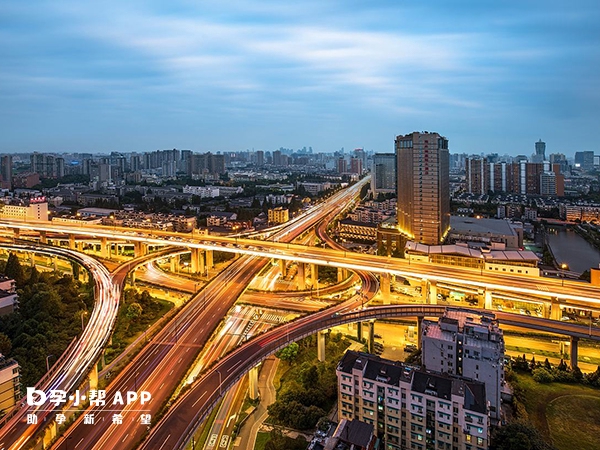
194	260
546	310
132	277
282	267
94	378
384	286
174	264
574	351
72	241
43	237
321	346
432	293
419	331
359	333
209	259
301	277
104	248
555	311
253	383
314	273
342	274
425	290
32	259
55	263
487	299
371	336
137	249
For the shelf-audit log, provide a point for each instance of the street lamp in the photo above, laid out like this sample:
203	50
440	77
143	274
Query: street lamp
48	363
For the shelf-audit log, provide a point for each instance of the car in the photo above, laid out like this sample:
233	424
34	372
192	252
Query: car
410	348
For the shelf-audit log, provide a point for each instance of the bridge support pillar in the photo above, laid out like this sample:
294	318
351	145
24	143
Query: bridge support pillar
546	310
314	273
43	237
104	248
432	293
55	263
487	299
253	383
342	274
132	277
321	346
574	351
359	333
139	249
94	378
194	260
555	311
209	260
282	267
371	336
384	287
419	331
301	277
174	264
32	259
72	241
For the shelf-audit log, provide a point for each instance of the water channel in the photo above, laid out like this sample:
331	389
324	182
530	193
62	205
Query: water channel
568	247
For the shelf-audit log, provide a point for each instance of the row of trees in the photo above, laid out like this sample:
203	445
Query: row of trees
50	311
545	372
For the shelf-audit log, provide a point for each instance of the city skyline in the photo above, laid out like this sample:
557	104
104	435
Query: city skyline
233	76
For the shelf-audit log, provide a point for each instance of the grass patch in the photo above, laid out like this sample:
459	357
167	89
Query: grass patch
538	398
261	439
128	327
574	422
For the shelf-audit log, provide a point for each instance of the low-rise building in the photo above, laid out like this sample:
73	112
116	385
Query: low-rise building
32	209
352	435
357	231
10	383
410	407
487	231
278	215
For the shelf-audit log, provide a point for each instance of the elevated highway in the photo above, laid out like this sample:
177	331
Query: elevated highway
160	366
175	428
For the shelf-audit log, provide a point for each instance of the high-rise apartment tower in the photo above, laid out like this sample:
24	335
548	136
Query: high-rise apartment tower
423	186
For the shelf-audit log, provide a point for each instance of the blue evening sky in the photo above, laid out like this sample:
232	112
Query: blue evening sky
233	75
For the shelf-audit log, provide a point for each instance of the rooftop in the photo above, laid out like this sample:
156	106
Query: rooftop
481	226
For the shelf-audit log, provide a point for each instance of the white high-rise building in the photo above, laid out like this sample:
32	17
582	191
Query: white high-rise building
467	344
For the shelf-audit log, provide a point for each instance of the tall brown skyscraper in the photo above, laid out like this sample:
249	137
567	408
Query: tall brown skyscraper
423	187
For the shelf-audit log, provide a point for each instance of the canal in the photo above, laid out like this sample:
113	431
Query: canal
568	247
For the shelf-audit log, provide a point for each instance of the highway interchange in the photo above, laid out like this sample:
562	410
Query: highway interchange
161	365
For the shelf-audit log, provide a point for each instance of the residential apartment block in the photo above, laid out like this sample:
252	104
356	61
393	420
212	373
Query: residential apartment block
411	408
469	345
423	186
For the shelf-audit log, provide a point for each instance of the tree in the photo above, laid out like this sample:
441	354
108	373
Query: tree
518	436
14	270
134	311
5	344
288	353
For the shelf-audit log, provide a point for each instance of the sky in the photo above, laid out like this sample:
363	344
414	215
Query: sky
227	75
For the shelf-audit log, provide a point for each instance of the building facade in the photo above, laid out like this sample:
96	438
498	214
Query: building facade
423	186
470	345
383	178
10	383
411	408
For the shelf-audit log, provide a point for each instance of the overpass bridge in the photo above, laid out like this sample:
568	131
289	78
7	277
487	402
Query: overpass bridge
177	426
